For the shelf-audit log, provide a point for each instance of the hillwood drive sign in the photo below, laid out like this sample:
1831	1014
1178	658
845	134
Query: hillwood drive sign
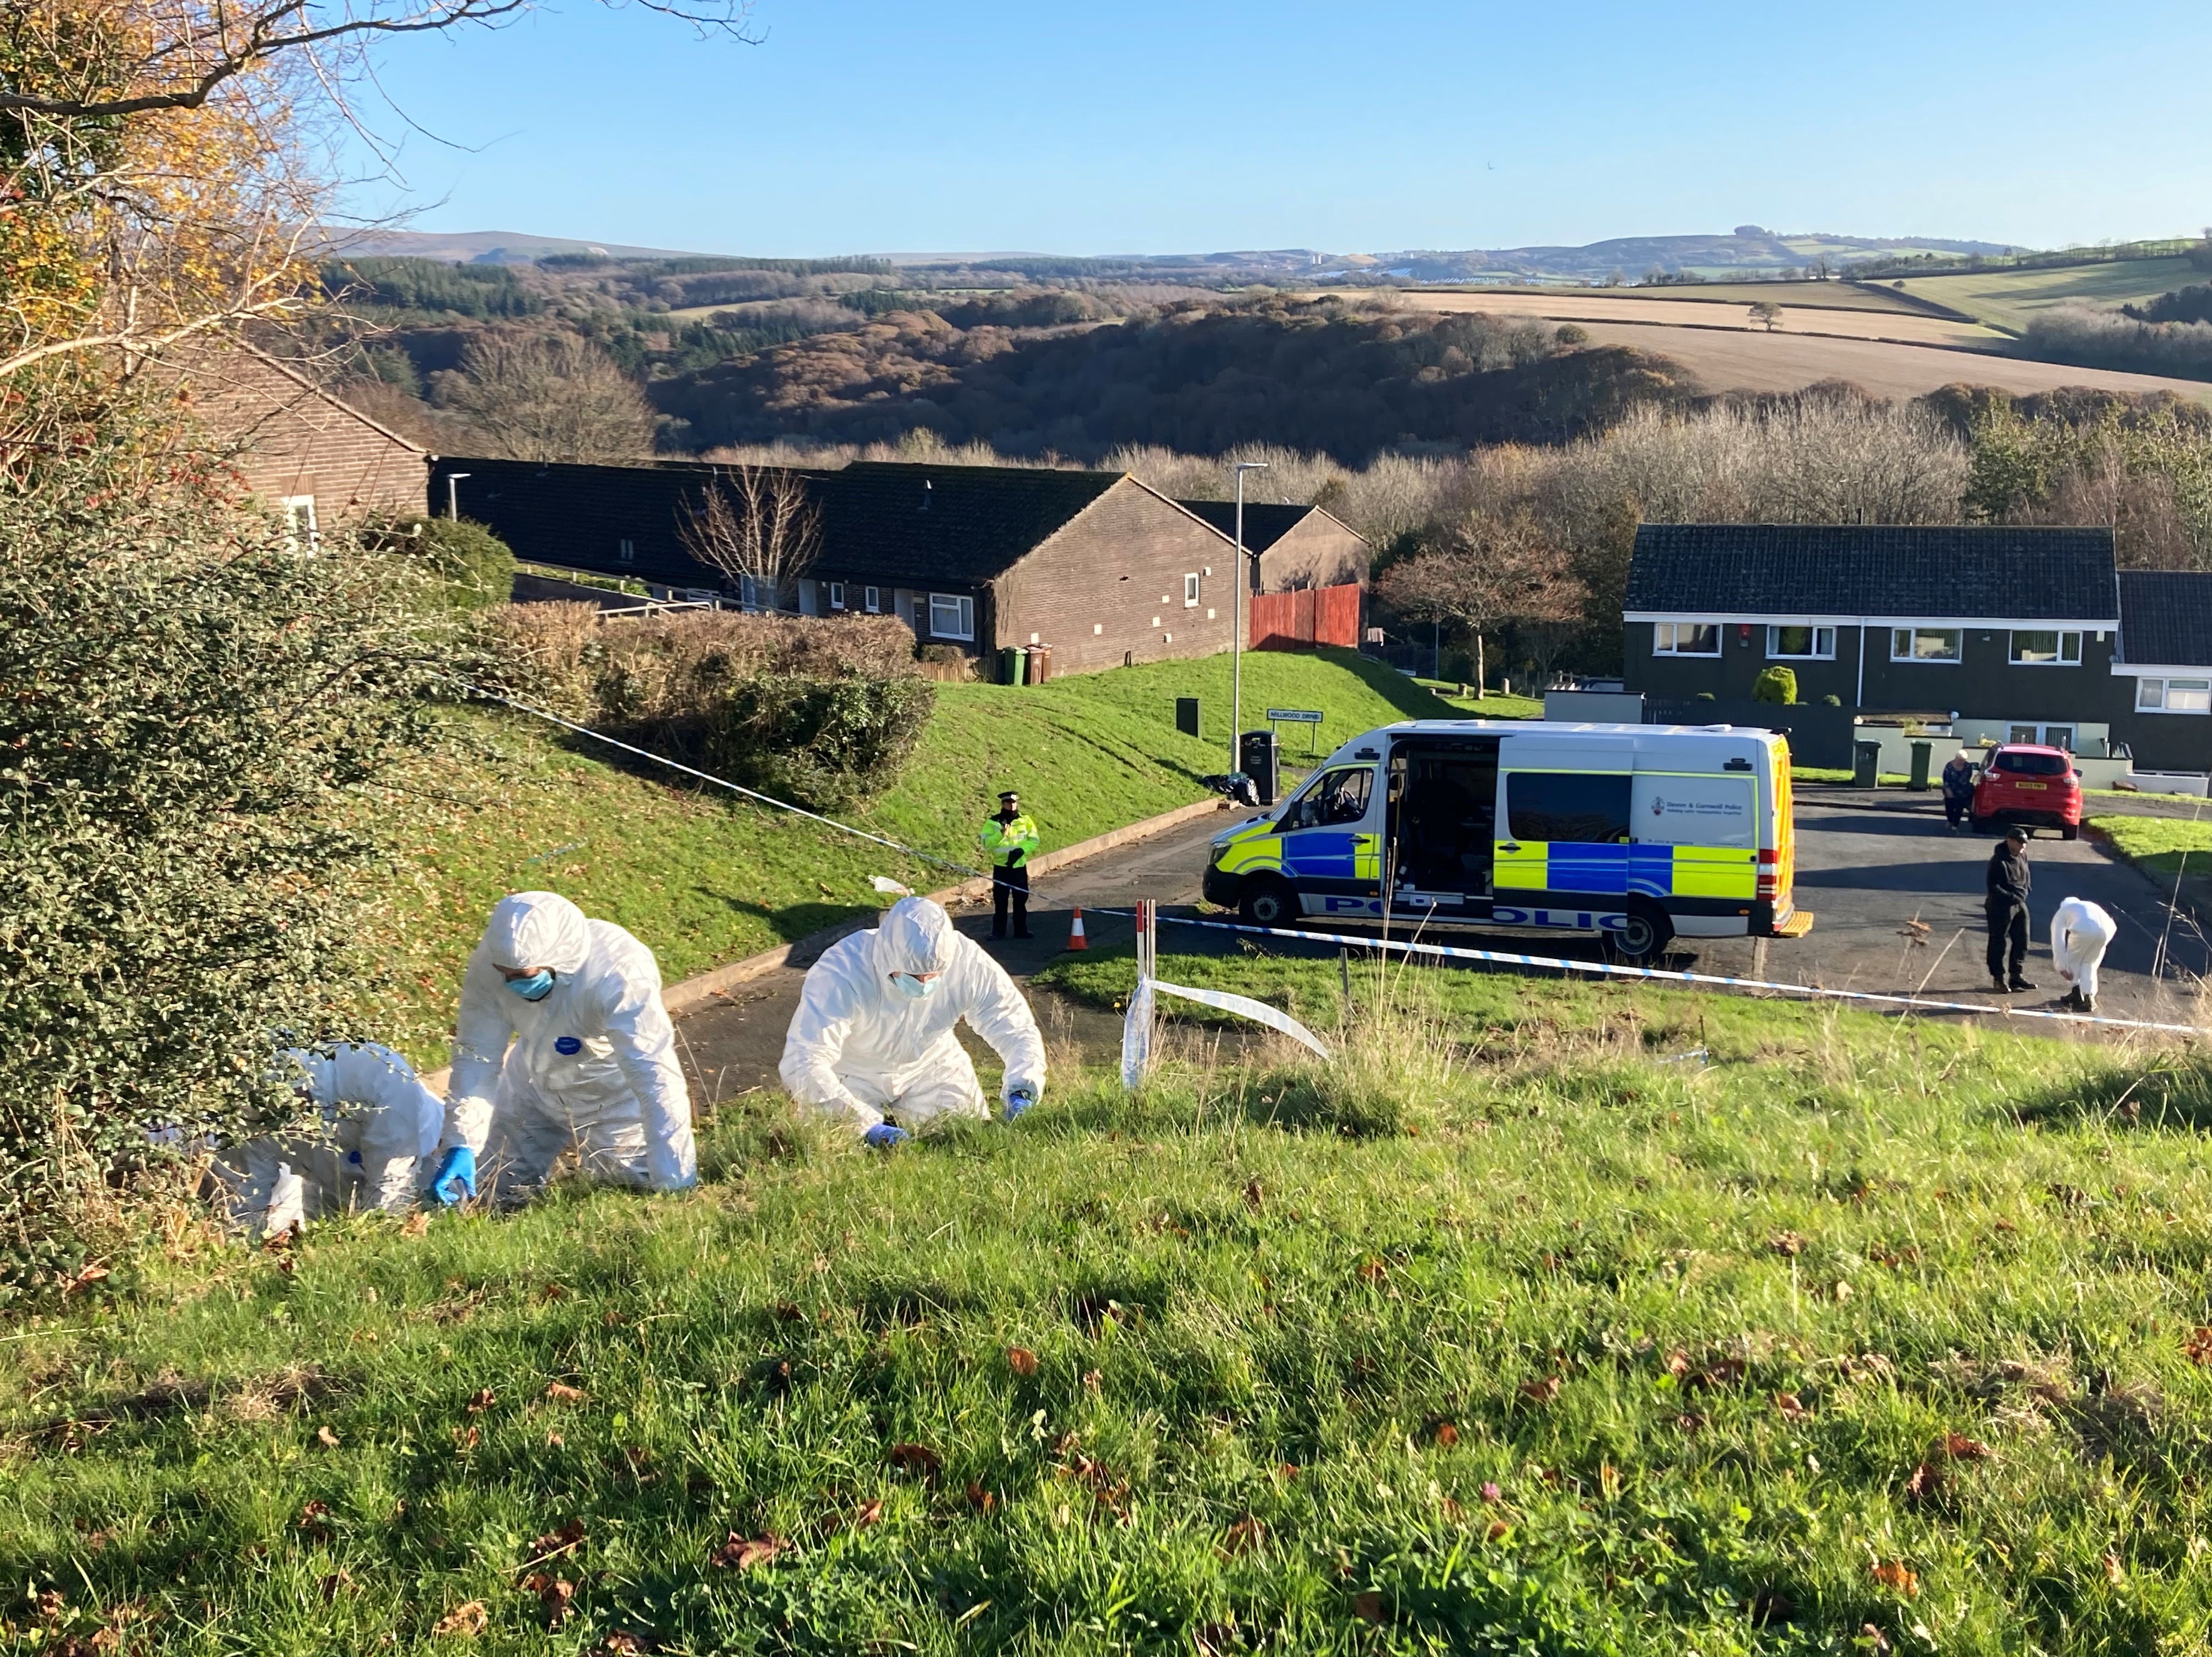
1310	717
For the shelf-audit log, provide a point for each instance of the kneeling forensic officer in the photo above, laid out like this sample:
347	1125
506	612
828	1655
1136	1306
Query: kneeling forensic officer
380	1122
873	1045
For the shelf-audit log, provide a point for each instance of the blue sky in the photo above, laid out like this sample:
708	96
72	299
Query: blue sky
865	126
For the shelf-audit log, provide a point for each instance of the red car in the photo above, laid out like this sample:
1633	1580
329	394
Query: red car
2035	786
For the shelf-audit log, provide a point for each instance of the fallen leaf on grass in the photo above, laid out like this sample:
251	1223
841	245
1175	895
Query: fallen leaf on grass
2114	1572
1367	1605
1959	1447
1896	1574
335	1584
552	1291
620	1642
1452	1510
1725	1372
561	1392
1786	1243
1874	1640
1022	1360
554	1595
466	1438
2196	1346
326	1438
1243	1538
1678	1363
310	1520
554	1543
1926	1483
1498	1530
1792	1407
1254	1195
981	1499
1689	1421
84	1279
916	1458
467	1620
1373	1270
416	1224
743	1553
867	1514
1443	1434
483	1400
1540	1391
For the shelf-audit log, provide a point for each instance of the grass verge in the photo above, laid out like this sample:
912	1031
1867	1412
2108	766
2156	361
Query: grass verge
1500	1335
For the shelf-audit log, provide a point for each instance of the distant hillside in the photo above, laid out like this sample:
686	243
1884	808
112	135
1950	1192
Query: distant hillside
1201	377
1748	250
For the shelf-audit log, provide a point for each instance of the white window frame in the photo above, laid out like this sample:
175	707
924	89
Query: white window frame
1911	635
1190	590
2061	633
626	552
2156	695
1665	633
963	616
837	594
300	533
1824	643
874	597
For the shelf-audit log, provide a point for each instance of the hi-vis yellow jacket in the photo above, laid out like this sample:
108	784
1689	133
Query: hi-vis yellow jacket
1008	845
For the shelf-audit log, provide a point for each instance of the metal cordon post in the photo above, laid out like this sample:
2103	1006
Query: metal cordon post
1237	618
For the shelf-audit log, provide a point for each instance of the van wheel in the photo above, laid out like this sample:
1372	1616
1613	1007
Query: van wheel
2070	831
1645	938
1267	902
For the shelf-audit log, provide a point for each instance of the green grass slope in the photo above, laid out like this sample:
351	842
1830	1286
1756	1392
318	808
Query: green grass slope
2010	299
1503	1335
704	879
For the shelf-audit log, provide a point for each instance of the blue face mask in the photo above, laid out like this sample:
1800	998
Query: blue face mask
536	987
915	989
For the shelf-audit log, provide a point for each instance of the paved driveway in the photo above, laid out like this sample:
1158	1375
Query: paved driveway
1868	866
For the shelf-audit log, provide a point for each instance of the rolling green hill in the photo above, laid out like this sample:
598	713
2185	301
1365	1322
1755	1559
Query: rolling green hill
703	879
2008	299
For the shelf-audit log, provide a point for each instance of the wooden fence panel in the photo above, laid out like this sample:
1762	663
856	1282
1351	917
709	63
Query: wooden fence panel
1303	620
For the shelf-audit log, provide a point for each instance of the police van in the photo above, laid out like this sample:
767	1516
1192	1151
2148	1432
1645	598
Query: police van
1635	834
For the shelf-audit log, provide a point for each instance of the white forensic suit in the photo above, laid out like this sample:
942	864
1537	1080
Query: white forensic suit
2080	932
859	1051
592	1064
379	1121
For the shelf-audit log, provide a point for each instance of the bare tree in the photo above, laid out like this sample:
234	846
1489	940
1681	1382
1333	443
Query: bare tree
1492	570
758	526
548	397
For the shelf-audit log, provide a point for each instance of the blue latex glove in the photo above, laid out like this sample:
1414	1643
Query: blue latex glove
885	1135
456	1178
1019	1100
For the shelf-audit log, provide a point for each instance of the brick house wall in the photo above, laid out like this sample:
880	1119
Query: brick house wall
1319	552
1108	587
300	442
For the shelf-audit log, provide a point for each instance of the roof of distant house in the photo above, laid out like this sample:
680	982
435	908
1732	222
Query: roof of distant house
2165	617
1265	522
1879	571
915	521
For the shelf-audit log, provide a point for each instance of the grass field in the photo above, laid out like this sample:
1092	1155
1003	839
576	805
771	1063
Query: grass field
703	879
2008	299
2159	845
1797	295
1503	1335
1689	308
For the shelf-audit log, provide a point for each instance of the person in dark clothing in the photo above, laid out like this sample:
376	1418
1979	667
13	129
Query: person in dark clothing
2007	904
1958	788
1010	840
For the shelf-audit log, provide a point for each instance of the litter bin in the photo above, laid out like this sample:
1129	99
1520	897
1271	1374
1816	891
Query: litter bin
1187	715
1255	758
1866	765
1921	751
1040	663
1013	663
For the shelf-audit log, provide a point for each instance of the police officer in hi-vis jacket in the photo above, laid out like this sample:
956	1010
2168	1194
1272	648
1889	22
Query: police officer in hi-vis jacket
1010	840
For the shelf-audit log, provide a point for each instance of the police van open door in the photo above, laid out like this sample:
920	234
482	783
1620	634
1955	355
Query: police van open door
1635	834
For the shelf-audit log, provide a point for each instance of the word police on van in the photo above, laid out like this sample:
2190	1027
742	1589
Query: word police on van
1637	834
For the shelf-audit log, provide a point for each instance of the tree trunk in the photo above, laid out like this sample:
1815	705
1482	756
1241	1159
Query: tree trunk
1481	673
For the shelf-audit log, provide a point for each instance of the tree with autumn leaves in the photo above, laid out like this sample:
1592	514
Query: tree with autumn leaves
1483	572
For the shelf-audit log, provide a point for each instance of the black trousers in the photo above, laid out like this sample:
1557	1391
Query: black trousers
2007	926
1955	807
1010	886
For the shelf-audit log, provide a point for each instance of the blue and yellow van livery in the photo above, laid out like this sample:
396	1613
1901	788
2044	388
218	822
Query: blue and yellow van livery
1638	833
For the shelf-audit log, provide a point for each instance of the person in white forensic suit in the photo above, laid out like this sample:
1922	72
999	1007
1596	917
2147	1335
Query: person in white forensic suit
2080	932
380	1122
873	1046
562	1041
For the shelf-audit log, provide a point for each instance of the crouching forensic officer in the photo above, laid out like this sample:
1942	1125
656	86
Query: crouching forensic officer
1010	840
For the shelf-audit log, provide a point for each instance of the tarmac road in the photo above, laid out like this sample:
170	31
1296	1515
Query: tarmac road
1868	866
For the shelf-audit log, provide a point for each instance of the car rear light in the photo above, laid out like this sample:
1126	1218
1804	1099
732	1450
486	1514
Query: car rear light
1770	875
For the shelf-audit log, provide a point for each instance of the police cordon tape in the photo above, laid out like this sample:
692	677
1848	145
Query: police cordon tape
1611	969
1446	951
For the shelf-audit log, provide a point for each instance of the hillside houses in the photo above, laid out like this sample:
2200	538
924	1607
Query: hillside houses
1097	565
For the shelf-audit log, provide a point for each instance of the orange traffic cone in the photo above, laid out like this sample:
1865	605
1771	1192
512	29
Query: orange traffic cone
1075	938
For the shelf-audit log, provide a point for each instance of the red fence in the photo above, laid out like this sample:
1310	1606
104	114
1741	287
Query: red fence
1299	621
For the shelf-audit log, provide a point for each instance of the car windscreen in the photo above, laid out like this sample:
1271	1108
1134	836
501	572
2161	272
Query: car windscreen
2033	765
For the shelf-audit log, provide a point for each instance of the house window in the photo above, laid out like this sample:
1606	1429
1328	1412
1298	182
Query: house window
836	595
951	616
299	522
1190	591
1802	643
1686	639
1923	644
2174	695
626	551
874	599
2036	649
750	592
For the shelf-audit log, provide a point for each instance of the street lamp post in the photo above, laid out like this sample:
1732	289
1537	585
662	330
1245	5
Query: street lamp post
454	494
1237	616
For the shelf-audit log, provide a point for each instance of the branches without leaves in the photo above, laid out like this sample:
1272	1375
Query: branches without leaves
760	526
